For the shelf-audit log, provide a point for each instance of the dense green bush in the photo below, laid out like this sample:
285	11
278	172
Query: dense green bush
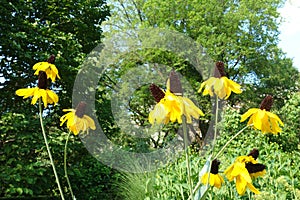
26	170
280	182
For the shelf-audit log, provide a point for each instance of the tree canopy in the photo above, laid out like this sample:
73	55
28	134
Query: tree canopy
31	31
243	34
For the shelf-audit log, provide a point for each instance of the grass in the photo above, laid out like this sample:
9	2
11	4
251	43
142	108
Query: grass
282	180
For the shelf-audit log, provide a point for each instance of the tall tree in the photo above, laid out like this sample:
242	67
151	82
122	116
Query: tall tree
241	33
30	31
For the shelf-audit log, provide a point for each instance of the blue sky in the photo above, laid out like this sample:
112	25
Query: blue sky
290	31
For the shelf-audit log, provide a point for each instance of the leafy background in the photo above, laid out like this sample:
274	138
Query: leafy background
243	34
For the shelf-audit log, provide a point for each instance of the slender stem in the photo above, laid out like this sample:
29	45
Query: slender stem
188	167
227	143
65	167
216	125
48	149
215	136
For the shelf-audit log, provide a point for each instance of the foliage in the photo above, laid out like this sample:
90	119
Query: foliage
289	138
280	182
30	31
25	167
114	84
243	34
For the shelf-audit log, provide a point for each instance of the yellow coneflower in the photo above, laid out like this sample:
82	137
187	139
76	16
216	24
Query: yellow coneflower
76	119
220	85
48	96
243	170
171	105
47	67
262	119
215	179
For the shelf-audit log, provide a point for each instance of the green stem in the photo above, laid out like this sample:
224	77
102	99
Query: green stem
214	141
216	126
65	166
48	149
185	139
228	142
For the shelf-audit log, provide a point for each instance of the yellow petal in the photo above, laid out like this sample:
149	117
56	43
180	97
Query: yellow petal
158	114
37	94
52	96
212	179
44	95
90	122
201	86
275	117
204	178
240	185
257	122
250	112
190	109
66	117
218	180
26	92
252	188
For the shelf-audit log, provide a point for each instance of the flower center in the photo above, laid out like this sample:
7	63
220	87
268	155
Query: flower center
253	168
175	84
80	109
51	59
266	103
219	70
215	166
156	92
254	153
42	80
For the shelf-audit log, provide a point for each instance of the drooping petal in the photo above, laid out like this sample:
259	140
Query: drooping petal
67	116
158	114
37	94
240	185
49	68
190	109
52	97
252	188
248	114
234	87
26	92
90	122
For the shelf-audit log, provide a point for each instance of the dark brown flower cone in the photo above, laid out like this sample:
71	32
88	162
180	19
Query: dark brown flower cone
156	92
80	109
267	103
51	59
215	166
254	153
42	80
253	168
175	84
219	70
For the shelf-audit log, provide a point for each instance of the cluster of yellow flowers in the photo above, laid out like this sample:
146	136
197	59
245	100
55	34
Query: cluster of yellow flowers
243	170
171	106
44	70
77	121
